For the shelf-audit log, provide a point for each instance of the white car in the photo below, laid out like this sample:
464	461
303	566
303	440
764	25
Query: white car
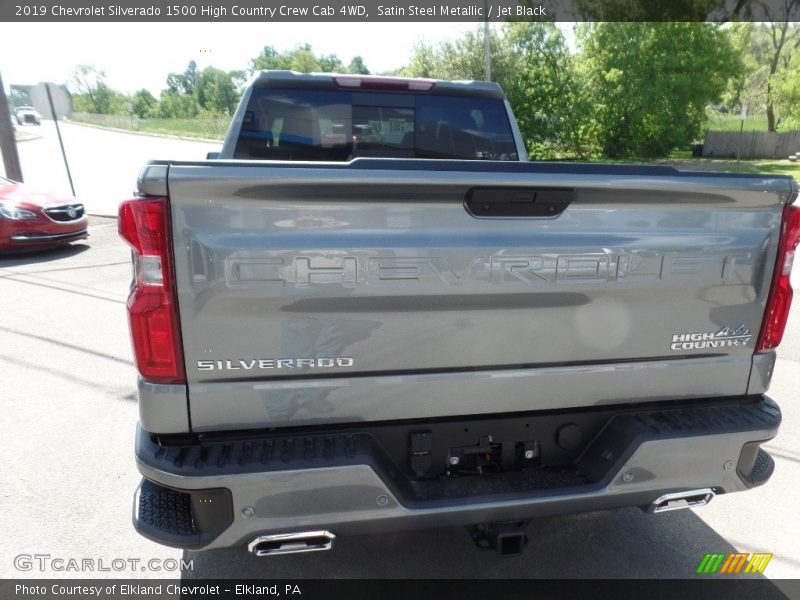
28	114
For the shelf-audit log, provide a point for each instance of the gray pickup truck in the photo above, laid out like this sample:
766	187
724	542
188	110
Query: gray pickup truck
371	312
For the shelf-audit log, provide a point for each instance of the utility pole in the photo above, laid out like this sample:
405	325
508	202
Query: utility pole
487	53
741	132
58	132
8	140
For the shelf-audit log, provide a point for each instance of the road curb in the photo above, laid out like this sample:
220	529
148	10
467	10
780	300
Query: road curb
25	136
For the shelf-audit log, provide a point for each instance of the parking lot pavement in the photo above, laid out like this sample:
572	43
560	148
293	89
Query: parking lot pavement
69	412
69	406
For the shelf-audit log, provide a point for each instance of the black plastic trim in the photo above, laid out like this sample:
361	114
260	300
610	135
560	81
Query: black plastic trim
494	202
755	465
181	518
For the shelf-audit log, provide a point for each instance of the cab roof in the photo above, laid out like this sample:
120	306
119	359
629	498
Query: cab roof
376	83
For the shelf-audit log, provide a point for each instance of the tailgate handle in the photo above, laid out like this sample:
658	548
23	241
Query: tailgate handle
517	202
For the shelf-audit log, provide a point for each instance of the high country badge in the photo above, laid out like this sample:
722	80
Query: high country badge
724	338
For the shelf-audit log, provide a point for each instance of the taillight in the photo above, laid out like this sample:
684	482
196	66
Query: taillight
152	306
386	84
780	293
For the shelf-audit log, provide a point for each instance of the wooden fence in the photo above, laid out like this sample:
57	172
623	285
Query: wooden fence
753	144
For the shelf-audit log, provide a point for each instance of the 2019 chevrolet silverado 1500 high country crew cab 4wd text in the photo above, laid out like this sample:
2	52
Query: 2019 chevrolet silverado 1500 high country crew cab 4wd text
373	313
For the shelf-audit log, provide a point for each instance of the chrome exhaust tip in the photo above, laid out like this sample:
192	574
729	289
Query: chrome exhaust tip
681	500
292	543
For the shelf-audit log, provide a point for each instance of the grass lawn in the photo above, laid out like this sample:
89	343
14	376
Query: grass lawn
214	129
730	122
775	167
765	167
210	128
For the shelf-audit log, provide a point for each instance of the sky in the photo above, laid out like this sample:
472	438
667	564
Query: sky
140	55
136	55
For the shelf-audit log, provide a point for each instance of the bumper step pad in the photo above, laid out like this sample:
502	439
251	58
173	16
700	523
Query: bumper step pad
623	432
184	519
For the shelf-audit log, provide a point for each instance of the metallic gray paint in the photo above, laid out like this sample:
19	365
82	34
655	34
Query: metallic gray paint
522	153
761	373
163	408
263	403
699	249
152	180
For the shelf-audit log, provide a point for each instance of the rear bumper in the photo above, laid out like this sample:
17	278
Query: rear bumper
217	493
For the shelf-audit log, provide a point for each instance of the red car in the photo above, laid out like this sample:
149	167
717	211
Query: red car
32	220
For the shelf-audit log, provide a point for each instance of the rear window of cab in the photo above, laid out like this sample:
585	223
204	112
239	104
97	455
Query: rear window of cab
322	125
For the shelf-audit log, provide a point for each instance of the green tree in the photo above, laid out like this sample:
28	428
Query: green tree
330	63
216	91
649	83
461	58
770	54
779	42
674	10
532	64
301	59
183	83
91	92
144	104
357	66
538	75
747	86
270	59
190	77
424	62
239	79
177	106
175	83
787	96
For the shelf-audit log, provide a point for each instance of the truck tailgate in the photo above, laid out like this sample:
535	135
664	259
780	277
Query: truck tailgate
382	290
